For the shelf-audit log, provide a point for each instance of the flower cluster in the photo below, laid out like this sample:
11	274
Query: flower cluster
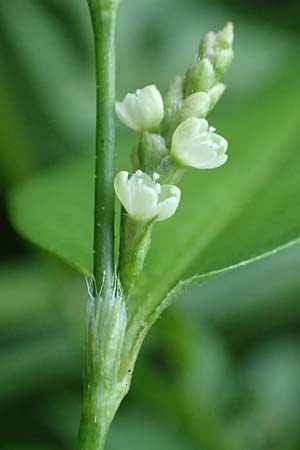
174	132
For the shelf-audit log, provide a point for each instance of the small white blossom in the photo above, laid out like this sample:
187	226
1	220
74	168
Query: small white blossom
196	144
144	198
142	111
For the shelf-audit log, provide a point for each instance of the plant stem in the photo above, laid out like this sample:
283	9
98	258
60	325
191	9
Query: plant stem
103	14
105	312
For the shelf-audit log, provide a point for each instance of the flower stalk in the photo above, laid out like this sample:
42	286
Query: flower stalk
136	239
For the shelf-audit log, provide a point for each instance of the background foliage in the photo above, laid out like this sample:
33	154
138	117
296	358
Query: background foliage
221	369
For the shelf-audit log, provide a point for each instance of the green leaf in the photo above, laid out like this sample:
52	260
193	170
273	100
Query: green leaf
55	211
26	291
227	216
270	301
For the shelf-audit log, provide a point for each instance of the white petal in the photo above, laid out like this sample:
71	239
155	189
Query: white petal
142	111
143	197
125	115
151	107
222	143
219	161
121	188
154	107
168	201
133	107
185	135
139	177
201	156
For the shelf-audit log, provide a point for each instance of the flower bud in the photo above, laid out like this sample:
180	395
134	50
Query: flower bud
144	199
225	36
222	40
196	105
222	60
174	96
217	47
207	45
172	101
215	93
195	144
142	111
152	149
200	77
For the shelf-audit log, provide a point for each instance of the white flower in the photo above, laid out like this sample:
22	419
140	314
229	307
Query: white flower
195	144
142	111
144	198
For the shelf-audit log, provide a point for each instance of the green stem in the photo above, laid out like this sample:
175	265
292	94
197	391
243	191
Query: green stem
100	398
103	389
103	14
135	242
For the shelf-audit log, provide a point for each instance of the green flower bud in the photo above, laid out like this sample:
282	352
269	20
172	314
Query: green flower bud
207	43
172	102
196	105
222	61
225	36
200	77
170	172
217	47
152	149
222	40
215	93
173	97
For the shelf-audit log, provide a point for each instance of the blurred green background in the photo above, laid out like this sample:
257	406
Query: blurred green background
221	369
